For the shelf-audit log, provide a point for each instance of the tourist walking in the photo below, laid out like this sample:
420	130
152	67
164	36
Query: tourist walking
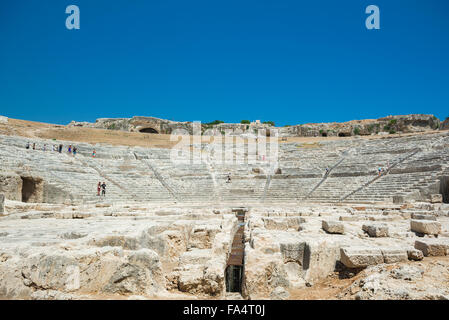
34	146
74	151
98	188
94	153
70	149
27	146
228	180
60	148
103	189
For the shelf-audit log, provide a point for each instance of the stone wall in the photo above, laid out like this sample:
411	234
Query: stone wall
11	186
22	187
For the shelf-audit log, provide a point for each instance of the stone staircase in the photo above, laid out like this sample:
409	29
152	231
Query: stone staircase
148	175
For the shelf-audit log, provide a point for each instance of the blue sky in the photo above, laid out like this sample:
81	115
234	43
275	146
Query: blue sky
285	61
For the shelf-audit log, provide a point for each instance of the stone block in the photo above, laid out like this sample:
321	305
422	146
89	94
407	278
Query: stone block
360	257
320	258
433	247
351	218
436	198
415	254
393	255
421	216
195	256
425	226
376	230
334	227
11	186
275	224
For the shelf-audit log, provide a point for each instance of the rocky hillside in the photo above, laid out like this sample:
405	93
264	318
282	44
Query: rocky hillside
385	125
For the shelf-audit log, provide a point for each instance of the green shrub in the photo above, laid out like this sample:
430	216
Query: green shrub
356	131
245	122
392	131
393	122
215	122
387	128
111	126
269	122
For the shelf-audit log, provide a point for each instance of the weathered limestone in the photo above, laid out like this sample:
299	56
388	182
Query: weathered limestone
11	185
360	257
320	259
425	226
334	227
393	255
420	216
444	125
351	218
376	230
433	247
283	223
410	273
415	254
436	198
293	252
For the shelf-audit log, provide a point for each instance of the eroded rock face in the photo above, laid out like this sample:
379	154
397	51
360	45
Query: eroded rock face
141	274
11	186
400	123
445	124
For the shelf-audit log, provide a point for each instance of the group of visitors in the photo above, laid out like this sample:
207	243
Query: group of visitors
57	148
101	187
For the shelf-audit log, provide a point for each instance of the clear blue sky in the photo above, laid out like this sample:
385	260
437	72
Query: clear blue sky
289	62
